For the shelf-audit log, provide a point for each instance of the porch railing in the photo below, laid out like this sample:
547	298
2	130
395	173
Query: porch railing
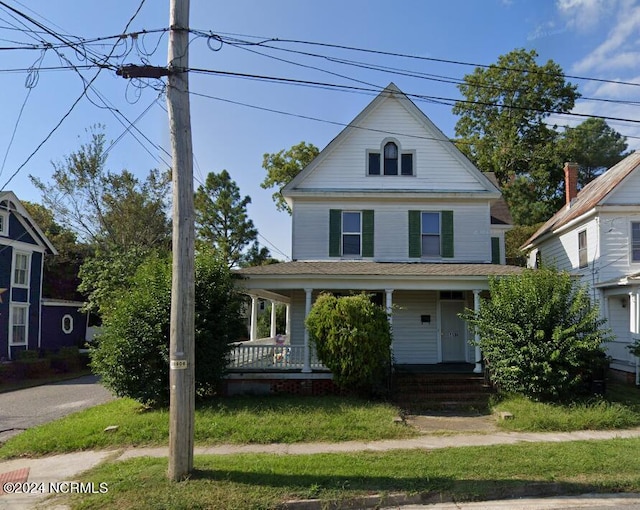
259	355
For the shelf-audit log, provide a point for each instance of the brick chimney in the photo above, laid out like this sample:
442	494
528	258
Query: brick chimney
570	181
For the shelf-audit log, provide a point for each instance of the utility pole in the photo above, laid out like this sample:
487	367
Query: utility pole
182	335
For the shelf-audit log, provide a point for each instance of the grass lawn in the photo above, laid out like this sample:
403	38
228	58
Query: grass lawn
237	420
620	409
265	481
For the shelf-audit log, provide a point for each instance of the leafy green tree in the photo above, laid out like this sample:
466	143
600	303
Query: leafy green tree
515	238
60	280
540	335
283	166
594	146
264	321
222	222
132	352
503	129
353	339
257	255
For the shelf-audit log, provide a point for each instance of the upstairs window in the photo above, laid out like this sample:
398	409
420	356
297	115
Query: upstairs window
582	249
351	233
21	269
635	241
431	234
391	162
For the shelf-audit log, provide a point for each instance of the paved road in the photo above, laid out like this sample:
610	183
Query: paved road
23	409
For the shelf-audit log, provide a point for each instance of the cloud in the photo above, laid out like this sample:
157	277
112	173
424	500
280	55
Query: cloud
583	15
621	47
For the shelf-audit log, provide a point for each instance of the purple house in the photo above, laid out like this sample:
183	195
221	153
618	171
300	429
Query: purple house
27	321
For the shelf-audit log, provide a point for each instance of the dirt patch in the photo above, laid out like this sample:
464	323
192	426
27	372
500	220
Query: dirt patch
453	423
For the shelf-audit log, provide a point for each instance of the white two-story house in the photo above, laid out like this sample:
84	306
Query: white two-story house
596	236
391	207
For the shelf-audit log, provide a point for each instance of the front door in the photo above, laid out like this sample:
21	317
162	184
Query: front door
453	335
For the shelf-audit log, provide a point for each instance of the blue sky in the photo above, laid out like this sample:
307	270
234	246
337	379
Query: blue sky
588	38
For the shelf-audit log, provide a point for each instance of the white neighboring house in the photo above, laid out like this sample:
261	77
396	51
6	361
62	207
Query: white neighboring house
596	236
393	208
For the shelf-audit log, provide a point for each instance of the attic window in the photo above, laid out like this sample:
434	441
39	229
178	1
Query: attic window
4	223
390	161
635	241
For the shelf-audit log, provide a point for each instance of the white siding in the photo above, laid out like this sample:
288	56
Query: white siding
618	321
472	239
615	242
436	168
414	342
627	192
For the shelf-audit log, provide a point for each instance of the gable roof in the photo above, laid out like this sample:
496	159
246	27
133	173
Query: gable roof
25	218
590	196
392	91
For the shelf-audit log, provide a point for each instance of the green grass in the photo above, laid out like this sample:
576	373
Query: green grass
238	420
621	409
265	481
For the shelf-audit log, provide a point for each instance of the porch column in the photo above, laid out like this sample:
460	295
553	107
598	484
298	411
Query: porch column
272	332
253	335
389	295
287	329
634	322
307	353
476	334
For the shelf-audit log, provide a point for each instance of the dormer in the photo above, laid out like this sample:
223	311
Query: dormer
390	159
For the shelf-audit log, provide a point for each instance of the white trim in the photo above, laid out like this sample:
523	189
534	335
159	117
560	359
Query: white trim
40	301
42	240
15	284
61	302
343	233
69	330
12	307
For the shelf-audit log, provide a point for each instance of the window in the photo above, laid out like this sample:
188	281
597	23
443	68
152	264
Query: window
67	324
18	325
635	241
392	162
582	249
430	234
351	233
4	224
21	269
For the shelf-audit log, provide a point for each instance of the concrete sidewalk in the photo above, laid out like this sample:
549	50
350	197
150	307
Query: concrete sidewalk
42	474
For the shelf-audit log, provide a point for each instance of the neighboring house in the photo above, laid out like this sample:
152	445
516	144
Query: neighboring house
26	320
596	236
391	207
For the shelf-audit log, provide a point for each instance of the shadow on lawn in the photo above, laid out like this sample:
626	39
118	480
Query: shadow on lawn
428	490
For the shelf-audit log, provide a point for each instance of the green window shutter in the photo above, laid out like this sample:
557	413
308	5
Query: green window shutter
415	246
446	222
367	233
495	250
335	232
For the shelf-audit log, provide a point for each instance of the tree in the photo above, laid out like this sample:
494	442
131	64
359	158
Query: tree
594	146
257	255
264	321
516	237
502	128
222	222
60	279
540	335
132	352
353	339
120	217
283	166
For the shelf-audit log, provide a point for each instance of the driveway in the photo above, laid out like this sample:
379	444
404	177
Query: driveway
23	409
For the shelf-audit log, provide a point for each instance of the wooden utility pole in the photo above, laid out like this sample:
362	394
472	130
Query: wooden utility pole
182	339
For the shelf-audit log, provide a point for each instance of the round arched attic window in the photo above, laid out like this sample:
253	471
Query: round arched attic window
67	324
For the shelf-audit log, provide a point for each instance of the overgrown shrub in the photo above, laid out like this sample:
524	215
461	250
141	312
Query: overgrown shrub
264	321
132	352
540	335
353	339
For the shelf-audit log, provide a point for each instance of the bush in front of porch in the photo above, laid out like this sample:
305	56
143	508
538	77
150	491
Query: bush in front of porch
540	334
352	336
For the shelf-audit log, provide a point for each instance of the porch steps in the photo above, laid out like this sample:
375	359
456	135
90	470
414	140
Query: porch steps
415	392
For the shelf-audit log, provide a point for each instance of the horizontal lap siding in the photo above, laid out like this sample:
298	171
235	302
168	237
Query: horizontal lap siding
346	166
615	228
414	342
619	324
472	240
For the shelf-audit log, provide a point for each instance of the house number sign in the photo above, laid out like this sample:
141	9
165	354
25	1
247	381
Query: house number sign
178	364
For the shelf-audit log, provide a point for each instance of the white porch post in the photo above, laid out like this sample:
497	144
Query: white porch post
253	335
307	353
389	295
634	322
476	334
272	332
287	329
